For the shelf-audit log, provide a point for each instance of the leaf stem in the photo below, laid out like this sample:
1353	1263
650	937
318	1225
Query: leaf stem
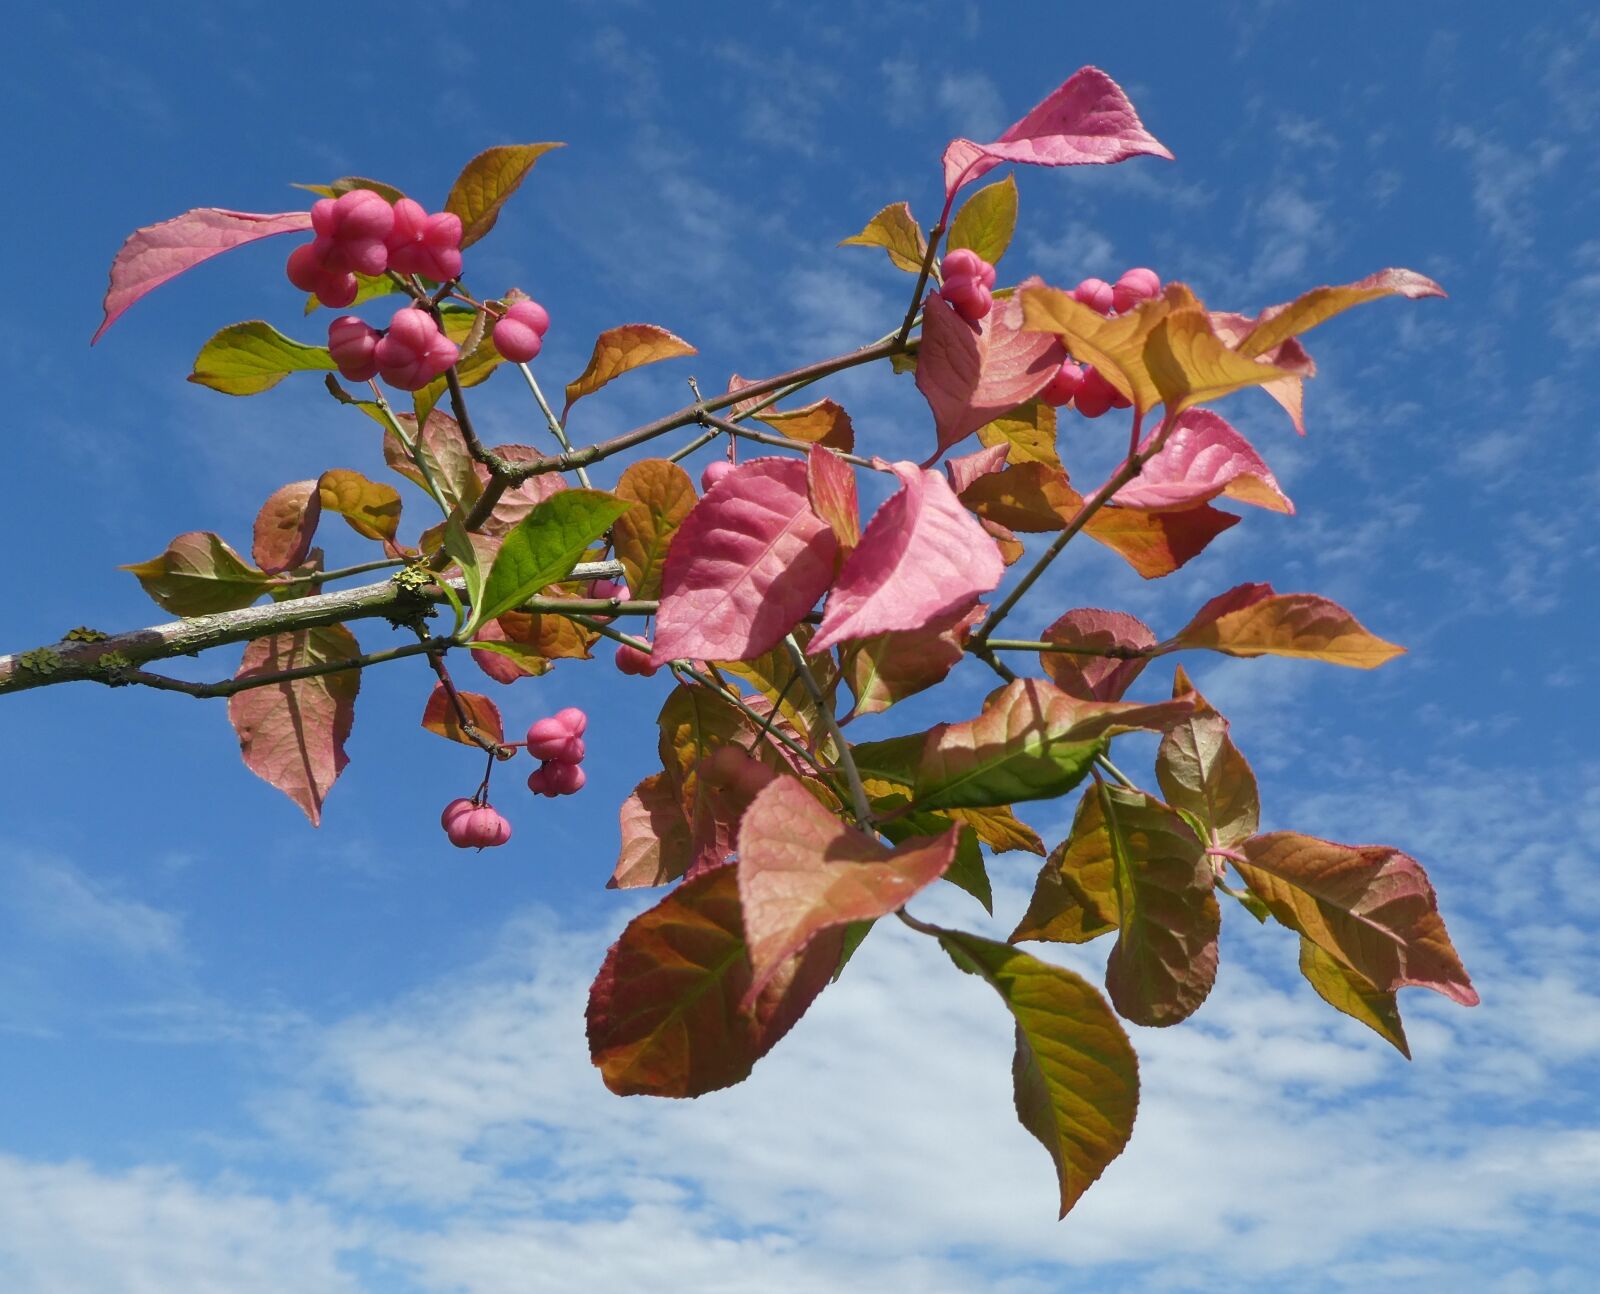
556	429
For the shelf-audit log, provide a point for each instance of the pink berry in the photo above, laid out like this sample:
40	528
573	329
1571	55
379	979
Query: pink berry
353	345
414	351
351	230
334	288
1136	285
1064	385
1097	294
966	264
630	660
1095	395
539	781
519	335
424	244
558	739
454	810
609	590
714	472
478	828
566	779
968	297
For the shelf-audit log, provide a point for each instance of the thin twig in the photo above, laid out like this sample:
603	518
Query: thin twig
847	761
248	682
556	429
779	442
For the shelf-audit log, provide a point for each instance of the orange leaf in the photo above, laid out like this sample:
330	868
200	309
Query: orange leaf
617	350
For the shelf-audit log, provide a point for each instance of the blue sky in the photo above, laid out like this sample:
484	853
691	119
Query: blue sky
243	1056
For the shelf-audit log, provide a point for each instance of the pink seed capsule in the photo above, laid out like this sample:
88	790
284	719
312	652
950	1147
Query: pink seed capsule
519	335
353	345
454	810
966	263
714	472
566	779
1095	394
414	352
554	740
478	828
539	781
630	660
425	244
1135	285
1097	294
1064	385
576	721
968	297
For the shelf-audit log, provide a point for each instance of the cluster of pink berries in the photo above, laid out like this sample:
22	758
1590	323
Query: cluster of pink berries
968	284
1080	384
407	355
471	825
558	743
360	232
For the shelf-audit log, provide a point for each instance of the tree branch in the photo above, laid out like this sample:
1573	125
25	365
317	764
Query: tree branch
102	658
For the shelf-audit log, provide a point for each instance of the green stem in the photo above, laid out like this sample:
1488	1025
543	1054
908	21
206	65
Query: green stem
556	429
847	761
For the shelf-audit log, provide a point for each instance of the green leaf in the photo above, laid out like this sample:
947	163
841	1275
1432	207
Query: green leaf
1354	994
1075	898
198	574
464	550
895	230
349	183
966	870
986	221
544	548
486	182
1075	1077
248	358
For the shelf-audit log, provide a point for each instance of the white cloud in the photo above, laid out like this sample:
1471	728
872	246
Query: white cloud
61	902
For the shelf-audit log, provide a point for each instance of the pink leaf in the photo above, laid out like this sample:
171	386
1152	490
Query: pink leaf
1291	355
968	468
748	561
292	733
655	836
156	253
923	555
1203	457
970	375
1091	677
803	872
727	781
285	525
831	491
1087	119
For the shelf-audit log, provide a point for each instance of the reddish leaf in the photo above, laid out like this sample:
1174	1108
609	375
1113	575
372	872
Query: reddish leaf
774	676
1158	543
618	350
1165	959
198	574
803	872
1202	458
444	449
156	253
518	501
963	471
1279	323
665	1015
922	556
970	375
655	837
1290	356
1031	742
292	733
750	559
440	716
285	526
548	637
1086	674
831	493
502	659
1087	119
1252	620
1202	772
728	781
662	495
1369	907
890	667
